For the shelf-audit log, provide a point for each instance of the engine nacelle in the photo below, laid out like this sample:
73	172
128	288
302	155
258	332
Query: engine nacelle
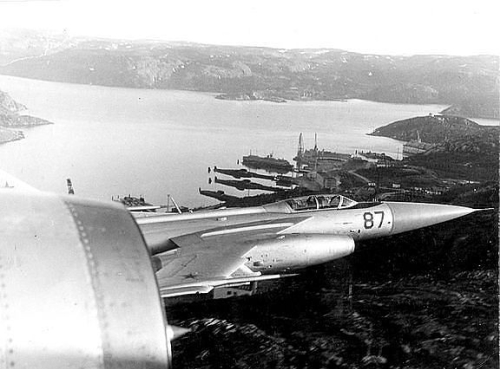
77	288
295	251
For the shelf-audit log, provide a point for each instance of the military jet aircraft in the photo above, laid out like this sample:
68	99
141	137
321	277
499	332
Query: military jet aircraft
197	252
77	284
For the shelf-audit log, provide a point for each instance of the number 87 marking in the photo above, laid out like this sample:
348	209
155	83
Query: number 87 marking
370	219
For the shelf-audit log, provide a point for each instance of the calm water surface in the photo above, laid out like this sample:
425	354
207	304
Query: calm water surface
116	141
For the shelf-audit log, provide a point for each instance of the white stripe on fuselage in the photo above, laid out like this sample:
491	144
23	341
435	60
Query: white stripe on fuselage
247	229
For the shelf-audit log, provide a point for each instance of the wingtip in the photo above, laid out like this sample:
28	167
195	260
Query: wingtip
8	181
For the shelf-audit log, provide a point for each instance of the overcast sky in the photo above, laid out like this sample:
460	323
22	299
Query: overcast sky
369	26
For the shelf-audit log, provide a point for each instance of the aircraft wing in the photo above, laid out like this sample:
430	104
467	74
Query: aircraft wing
9	182
216	257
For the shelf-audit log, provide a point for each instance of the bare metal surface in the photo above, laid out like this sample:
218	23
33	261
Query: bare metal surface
197	252
77	287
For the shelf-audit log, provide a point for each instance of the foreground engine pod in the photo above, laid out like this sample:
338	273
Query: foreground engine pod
77	288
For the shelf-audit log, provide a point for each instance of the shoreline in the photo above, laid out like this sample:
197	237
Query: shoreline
238	97
10	123
7	135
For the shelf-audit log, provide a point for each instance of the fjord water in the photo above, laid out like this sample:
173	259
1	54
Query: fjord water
118	141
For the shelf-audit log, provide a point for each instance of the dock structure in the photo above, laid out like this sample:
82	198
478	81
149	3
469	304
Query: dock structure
247	185
318	160
268	162
243	173
218	195
415	147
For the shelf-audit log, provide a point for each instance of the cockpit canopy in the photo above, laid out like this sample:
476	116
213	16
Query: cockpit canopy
317	202
313	202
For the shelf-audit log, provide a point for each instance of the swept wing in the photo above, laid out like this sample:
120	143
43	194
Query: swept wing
216	257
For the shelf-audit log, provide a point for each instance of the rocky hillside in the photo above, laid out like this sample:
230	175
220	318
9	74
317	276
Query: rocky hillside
16	120
10	117
475	107
470	84
9	105
7	135
416	322
437	129
464	149
20	44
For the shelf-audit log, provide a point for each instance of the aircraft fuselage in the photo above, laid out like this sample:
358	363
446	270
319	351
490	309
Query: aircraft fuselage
300	232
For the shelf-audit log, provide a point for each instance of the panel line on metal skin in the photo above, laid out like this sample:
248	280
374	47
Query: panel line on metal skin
124	284
47	307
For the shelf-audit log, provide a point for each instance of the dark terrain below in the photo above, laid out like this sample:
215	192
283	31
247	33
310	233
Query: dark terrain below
419	321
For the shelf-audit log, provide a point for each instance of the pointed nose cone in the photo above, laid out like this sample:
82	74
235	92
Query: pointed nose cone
410	216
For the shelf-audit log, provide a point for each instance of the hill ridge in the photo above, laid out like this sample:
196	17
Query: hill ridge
469	84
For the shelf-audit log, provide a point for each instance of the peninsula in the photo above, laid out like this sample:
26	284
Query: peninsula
436	128
455	147
10	119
